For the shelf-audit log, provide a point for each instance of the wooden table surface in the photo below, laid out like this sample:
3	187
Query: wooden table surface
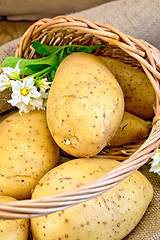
16	15
12	30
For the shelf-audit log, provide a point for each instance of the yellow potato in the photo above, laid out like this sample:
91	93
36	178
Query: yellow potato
17	229
131	129
27	152
85	105
109	216
138	92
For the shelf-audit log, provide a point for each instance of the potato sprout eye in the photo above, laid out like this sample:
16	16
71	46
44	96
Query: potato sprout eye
67	141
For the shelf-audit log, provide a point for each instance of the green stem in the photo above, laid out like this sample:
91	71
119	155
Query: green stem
45	73
39	73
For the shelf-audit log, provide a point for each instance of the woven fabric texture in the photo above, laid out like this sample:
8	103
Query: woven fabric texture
138	18
141	19
148	228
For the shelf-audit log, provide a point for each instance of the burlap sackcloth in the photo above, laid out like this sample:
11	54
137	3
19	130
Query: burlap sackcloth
140	19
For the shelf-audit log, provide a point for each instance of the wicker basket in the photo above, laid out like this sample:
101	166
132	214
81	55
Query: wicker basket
64	30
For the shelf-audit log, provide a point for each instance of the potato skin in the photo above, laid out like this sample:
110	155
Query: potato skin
85	105
138	92
27	152
131	129
109	216
17	229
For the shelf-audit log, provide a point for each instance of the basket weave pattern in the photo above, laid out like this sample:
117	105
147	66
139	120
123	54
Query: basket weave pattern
64	30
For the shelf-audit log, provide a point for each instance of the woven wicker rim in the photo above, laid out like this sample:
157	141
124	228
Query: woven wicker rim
148	58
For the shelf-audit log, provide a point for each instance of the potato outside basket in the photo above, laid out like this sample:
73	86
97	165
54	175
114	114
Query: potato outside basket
63	30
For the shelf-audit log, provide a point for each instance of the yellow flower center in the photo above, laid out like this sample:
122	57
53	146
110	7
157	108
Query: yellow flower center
25	91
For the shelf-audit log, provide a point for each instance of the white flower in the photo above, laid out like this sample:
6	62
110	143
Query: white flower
155	164
4	82
37	103
23	91
24	108
25	95
12	73
43	85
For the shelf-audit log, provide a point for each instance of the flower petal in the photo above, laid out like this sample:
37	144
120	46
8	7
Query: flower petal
8	70
12	72
16	86
25	99
34	92
13	101
4	82
17	69
38	103
155	164
28	82
44	85
24	108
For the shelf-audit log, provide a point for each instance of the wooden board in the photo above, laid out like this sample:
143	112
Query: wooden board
12	30
16	15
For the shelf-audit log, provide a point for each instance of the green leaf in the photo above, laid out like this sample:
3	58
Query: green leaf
47	50
44	49
34	68
30	66
97	46
55	56
10	62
